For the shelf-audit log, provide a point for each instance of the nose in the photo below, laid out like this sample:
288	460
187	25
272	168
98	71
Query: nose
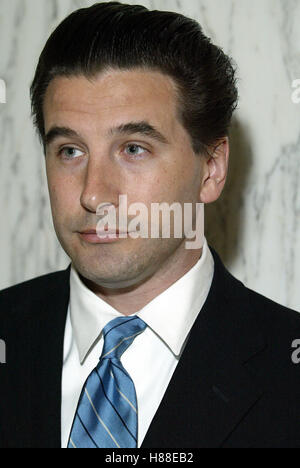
100	185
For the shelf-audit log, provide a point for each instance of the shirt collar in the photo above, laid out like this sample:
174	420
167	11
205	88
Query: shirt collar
170	315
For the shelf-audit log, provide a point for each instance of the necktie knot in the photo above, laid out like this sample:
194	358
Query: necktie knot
118	335
107	411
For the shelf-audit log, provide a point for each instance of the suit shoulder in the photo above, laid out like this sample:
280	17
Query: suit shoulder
26	293
274	318
33	283
263	308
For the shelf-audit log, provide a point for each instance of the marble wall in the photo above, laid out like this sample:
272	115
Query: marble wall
255	225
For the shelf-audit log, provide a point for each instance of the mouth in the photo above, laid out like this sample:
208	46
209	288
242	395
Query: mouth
102	237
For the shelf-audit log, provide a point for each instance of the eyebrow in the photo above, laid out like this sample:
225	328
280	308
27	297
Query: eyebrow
143	127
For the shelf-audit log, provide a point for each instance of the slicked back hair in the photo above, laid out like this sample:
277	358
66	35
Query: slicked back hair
123	37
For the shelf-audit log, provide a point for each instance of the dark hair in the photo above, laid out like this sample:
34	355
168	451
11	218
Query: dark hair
115	35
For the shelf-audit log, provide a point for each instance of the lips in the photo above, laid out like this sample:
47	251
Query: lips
104	231
104	236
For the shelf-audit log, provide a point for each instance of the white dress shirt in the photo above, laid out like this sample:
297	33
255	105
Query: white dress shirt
154	354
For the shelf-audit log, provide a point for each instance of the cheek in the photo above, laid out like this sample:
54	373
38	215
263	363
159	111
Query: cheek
173	182
62	194
155	187
188	177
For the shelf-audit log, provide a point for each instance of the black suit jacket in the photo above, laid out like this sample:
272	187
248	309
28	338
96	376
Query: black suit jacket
234	386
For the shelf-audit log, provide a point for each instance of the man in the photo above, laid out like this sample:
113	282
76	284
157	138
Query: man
133	102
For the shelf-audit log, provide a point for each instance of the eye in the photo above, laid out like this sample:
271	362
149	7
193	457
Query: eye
69	152
133	150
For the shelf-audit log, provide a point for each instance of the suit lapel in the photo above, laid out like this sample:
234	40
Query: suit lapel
210	391
47	360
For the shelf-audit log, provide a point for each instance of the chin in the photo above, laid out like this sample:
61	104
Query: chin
112	274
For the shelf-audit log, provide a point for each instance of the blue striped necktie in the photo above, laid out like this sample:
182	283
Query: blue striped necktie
106	414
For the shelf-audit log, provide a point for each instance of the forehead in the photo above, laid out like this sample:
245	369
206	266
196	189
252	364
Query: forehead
110	96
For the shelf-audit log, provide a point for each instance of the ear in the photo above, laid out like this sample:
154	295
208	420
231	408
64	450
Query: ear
215	168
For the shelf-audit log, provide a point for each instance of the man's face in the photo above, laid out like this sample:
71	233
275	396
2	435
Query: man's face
100	164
